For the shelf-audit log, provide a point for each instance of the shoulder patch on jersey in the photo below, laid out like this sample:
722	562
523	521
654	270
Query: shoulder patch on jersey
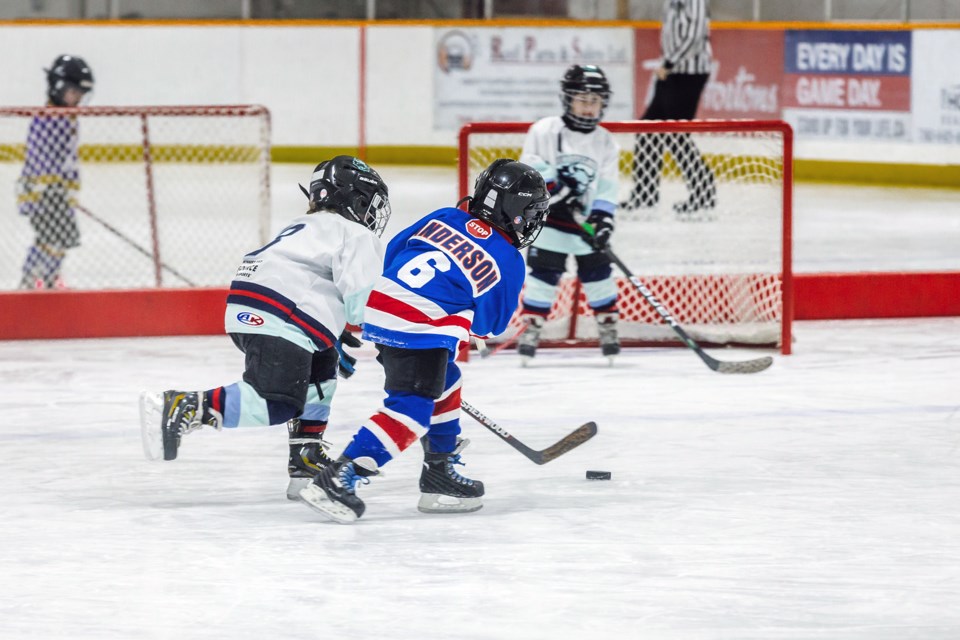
477	265
249	319
479	229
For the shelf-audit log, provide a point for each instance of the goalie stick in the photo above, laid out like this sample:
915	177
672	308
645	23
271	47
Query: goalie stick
571	441
746	366
112	229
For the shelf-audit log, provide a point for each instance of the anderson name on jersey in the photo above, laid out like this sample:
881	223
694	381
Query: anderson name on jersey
307	283
446	276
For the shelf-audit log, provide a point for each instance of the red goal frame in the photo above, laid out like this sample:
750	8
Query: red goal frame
669	126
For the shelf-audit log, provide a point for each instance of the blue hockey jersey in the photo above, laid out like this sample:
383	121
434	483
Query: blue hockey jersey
446	276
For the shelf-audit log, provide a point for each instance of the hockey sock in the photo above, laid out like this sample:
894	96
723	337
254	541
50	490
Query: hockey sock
445	421
213	401
312	428
402	420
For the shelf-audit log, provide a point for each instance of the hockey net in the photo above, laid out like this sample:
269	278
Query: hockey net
723	271
131	197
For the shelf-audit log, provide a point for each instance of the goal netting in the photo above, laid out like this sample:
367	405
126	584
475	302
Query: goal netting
131	197
723	271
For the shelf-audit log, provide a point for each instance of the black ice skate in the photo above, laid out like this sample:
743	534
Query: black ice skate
529	339
165	418
443	490
308	457
607	329
333	492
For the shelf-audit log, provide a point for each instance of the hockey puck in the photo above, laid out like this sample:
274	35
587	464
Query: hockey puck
599	475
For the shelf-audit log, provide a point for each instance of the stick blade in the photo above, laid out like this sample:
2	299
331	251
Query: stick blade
747	366
569	442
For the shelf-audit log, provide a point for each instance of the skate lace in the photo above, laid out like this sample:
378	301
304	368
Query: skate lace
452	460
190	420
349	478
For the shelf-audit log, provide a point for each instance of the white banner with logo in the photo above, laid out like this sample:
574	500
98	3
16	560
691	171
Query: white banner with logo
513	73
936	87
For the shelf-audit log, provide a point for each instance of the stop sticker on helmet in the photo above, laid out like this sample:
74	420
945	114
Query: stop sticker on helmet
478	229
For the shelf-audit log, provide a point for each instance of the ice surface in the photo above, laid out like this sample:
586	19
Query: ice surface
817	499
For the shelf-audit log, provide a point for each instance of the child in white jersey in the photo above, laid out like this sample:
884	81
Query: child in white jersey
579	162
287	310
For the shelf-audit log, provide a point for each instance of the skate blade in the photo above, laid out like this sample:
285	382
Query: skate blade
151	428
525	361
439	503
315	498
295	486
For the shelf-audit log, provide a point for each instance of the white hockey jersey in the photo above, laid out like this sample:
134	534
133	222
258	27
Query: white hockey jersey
553	149
308	282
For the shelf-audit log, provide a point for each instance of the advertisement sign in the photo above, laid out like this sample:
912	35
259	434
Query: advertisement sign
848	84
746	77
936	87
513	73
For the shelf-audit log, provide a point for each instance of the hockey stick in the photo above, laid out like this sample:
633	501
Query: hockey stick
109	227
747	366
571	441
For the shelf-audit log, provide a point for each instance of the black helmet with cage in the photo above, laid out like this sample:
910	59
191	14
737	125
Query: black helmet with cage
583	79
348	186
68	72
512	197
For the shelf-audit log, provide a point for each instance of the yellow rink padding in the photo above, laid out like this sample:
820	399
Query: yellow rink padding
184	153
840	171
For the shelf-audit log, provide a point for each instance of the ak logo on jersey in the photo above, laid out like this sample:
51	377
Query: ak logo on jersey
479	266
478	230
249	319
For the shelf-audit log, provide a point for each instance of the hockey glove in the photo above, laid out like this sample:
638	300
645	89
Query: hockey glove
601	223
346	366
566	203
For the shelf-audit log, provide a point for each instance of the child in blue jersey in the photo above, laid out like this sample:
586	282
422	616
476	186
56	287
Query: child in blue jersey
50	179
449	275
287	309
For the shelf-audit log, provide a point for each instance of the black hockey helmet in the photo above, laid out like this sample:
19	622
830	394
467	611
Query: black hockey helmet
68	72
512	197
578	80
350	187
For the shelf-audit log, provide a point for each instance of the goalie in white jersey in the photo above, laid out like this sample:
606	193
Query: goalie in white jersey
579	162
287	310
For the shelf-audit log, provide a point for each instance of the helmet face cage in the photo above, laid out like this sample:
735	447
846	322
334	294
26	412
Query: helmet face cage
582	80
351	188
68	72
512	197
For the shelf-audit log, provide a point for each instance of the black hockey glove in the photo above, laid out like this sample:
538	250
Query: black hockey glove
346	365
602	224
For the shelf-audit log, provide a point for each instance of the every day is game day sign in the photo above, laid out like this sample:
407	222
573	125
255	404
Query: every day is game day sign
848	84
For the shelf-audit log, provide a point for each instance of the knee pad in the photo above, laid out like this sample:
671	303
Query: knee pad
546	260
594	267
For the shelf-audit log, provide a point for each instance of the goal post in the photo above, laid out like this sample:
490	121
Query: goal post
160	196
724	272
